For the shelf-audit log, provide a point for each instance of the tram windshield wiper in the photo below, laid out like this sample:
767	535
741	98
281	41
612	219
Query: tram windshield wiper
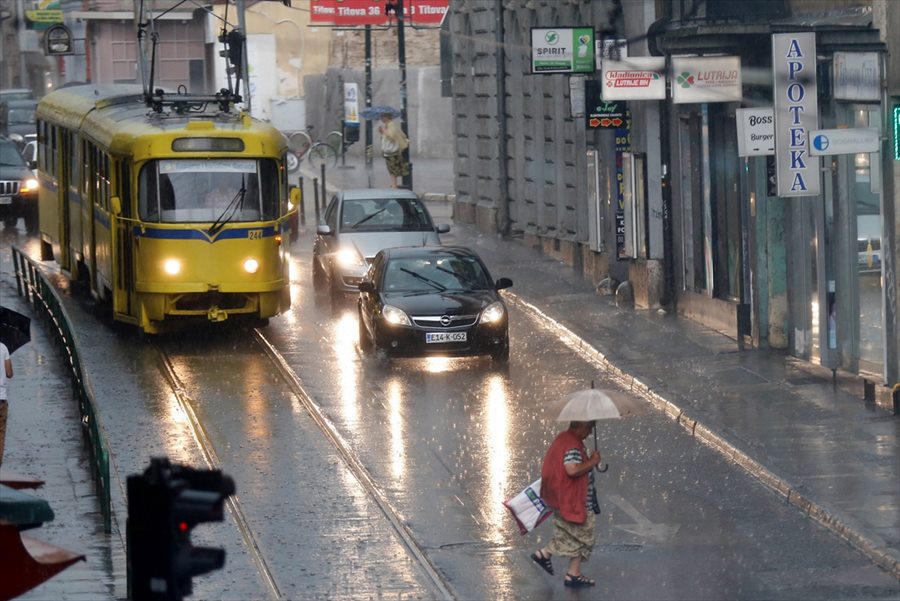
234	205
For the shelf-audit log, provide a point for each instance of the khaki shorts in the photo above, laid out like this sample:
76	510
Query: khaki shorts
572	540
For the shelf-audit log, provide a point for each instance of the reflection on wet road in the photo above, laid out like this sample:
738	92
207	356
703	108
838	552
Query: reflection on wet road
442	443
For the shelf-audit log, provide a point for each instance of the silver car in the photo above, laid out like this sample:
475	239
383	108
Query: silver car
357	224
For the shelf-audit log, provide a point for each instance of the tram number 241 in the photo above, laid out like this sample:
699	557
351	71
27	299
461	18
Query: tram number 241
254	234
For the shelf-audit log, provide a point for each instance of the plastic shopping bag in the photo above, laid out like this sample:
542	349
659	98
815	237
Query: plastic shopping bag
528	508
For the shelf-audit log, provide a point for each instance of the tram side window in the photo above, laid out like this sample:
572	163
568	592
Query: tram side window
268	181
148	194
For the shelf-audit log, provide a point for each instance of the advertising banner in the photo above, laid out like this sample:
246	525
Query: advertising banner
351	103
599	113
755	132
844	141
322	12
857	76
562	50
353	13
706	79
635	78
426	12
796	113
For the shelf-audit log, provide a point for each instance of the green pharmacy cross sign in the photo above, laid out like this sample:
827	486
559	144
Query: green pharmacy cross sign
897	132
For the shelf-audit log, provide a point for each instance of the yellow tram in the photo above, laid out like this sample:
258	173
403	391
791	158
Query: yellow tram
127	206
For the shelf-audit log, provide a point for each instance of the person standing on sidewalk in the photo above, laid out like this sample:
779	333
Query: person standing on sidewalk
393	143
6	373
567	487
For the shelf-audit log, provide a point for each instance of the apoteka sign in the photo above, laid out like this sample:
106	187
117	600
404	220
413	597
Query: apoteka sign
796	113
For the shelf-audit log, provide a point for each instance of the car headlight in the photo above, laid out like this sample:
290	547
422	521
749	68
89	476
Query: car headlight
348	257
251	265
395	316
493	313
172	266
28	185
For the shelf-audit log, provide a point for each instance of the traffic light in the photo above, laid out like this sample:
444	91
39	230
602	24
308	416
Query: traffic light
164	504
234	47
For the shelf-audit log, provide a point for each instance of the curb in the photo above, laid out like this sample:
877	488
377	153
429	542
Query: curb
721	445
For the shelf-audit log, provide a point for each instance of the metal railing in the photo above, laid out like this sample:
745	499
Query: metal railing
36	288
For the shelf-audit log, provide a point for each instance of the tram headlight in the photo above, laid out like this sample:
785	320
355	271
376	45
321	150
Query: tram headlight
172	266
251	265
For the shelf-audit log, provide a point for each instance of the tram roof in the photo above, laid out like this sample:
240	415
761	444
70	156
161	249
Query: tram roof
115	116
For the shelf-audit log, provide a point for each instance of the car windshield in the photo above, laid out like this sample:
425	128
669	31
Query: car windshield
385	215
201	190
435	273
21	116
9	155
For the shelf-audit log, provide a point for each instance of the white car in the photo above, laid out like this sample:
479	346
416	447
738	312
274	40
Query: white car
359	223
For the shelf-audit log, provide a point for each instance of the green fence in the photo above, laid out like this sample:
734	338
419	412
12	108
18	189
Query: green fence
33	284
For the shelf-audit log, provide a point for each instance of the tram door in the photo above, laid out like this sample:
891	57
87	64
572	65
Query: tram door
68	185
122	246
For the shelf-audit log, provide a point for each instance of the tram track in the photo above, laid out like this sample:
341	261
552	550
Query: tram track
186	402
233	503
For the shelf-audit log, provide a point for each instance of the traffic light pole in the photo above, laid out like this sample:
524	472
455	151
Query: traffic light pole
404	123
368	94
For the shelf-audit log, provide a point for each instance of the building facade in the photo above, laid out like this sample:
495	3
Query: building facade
671	204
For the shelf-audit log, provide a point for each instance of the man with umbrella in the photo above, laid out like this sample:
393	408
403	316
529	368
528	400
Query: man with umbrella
567	485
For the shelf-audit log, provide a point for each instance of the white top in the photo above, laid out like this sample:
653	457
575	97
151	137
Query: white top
4	355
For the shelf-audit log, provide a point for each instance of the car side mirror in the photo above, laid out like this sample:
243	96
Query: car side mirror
116	204
442	228
323	230
367	286
503	283
295	198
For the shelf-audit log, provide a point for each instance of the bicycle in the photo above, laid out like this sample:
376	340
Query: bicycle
318	153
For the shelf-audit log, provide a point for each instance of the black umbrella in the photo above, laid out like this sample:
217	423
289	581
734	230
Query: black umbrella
15	329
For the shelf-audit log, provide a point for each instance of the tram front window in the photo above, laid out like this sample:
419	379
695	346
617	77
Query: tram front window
208	190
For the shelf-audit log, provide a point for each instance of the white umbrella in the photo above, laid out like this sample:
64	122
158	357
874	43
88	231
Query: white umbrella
588	405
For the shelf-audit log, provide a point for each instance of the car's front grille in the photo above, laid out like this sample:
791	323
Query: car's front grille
444	321
9	188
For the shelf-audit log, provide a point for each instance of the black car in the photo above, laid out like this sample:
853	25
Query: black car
18	187
432	300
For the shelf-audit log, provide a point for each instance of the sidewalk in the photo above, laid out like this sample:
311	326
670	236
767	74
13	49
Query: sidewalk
816	444
44	441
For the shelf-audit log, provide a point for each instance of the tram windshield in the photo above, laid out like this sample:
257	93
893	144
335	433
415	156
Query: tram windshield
201	190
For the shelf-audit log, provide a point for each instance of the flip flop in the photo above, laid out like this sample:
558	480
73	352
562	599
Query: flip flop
543	561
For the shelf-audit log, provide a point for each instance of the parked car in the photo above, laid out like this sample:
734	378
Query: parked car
15	94
17	117
431	300
357	224
18	187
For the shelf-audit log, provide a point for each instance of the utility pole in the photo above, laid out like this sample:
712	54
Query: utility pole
368	141
245	74
401	55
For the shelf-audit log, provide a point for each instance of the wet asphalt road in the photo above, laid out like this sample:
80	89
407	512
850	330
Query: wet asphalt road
445	442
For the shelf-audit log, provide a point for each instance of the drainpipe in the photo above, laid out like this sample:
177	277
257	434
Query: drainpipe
503	221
